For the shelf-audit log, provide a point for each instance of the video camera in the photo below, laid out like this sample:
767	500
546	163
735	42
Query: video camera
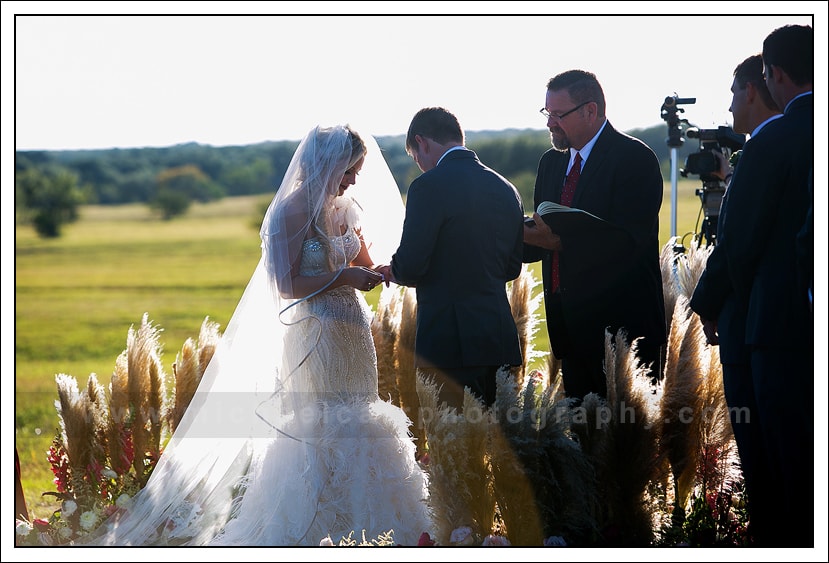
703	163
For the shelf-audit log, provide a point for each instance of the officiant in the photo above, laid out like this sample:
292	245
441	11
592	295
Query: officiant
594	281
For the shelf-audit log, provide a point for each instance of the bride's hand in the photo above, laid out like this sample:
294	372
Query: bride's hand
363	278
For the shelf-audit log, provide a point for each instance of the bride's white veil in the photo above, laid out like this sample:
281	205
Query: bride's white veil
246	398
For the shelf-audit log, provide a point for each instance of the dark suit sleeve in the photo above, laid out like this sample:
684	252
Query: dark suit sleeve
713	286
541	192
421	227
516	261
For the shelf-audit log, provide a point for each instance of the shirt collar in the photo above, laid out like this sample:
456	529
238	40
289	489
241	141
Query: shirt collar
585	150
809	93
448	151
766	122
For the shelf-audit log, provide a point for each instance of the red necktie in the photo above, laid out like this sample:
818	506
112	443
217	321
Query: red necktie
566	199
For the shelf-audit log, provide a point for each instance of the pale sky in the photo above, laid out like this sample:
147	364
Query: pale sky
158	80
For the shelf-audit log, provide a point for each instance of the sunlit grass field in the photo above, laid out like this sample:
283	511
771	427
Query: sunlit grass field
77	296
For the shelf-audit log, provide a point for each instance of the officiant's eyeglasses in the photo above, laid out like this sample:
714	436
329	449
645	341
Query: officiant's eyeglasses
561	116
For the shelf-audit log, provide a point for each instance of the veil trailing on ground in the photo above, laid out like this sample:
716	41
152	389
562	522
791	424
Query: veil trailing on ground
247	404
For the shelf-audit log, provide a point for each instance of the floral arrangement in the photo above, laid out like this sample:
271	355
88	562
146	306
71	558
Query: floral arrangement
111	439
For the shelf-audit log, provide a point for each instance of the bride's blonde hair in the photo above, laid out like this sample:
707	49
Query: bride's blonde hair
353	150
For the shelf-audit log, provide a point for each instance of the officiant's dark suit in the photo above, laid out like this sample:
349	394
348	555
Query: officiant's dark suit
461	243
606	280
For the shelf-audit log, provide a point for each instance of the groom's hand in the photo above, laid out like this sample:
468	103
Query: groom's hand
385	271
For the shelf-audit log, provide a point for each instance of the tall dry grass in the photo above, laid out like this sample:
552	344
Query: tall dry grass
460	486
524	310
405	364
83	419
384	331
632	457
590	472
697	438
121	431
188	369
532	466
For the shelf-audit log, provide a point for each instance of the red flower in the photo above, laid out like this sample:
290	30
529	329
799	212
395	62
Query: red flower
123	464
59	462
425	540
41	525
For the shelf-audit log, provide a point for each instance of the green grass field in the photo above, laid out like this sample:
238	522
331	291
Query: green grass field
77	296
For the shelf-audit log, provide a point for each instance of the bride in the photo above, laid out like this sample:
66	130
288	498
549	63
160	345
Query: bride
287	441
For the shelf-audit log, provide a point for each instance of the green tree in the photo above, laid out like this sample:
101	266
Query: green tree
176	188
47	198
248	178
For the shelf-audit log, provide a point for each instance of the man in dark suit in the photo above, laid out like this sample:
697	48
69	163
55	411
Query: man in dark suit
762	255
723	317
593	284
461	244
766	206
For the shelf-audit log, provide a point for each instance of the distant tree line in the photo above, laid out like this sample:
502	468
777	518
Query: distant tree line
49	185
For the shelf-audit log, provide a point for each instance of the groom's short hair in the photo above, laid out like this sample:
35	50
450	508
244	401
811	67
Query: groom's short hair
437	124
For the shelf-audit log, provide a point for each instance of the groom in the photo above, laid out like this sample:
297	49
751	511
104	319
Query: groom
462	242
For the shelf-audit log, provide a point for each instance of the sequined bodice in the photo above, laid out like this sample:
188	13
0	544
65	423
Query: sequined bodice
335	329
343	249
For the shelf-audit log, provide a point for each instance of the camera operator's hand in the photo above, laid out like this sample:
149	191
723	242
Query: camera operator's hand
725	170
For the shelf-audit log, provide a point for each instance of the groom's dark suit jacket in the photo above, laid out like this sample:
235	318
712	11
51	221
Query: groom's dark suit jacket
461	243
608	281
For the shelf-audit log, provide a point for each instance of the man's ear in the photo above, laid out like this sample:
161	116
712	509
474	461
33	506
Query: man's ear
423	143
777	74
751	92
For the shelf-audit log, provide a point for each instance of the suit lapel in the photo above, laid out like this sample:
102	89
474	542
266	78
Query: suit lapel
598	155
559	172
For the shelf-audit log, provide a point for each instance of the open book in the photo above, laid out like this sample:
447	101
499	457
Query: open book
568	221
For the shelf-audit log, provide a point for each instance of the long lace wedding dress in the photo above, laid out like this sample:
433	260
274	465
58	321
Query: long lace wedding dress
349	464
286	441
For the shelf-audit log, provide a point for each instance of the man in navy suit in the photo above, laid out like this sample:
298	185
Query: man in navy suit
599	282
723	317
779	325
461	244
766	207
